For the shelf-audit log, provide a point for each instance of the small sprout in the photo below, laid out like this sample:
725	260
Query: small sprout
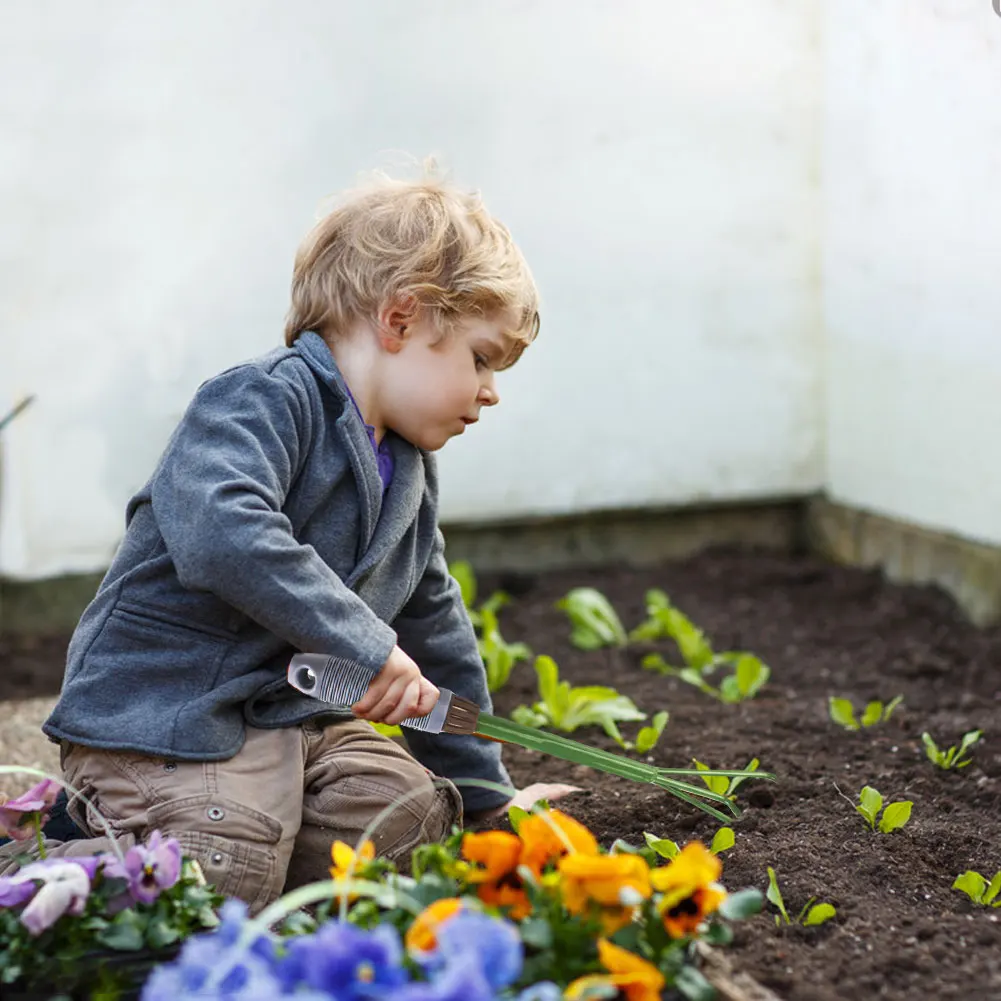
462	571
722	785
954	757
843	713
594	623
978	889
567	708
894	816
648	736
812	914
723	840
664	621
499	657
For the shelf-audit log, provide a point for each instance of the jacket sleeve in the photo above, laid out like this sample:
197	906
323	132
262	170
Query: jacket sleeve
434	628
217	497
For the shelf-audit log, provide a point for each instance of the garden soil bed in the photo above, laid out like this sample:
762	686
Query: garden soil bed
901	932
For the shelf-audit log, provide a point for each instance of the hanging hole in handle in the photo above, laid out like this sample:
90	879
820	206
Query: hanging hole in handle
305	679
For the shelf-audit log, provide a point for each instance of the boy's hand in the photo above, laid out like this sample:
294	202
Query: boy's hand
397	692
526	798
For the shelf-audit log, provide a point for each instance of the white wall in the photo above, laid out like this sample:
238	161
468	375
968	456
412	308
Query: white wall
658	164
912	260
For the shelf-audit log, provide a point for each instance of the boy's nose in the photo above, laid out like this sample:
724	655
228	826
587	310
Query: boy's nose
488	395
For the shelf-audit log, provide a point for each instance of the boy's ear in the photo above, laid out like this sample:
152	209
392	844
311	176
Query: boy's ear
395	318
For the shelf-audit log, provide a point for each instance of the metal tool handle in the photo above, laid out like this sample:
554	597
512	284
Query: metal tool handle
343	682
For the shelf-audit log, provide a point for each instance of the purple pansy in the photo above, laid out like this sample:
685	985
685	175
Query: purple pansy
64	890
493	942
148	869
17	815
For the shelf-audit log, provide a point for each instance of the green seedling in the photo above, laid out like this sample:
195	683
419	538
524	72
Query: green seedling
593	621
812	914
976	887
954	757
843	713
747	672
499	657
723	840
462	571
567	708
646	739
724	786
894	816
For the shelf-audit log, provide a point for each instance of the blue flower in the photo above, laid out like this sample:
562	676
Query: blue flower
544	991
493	942
461	980
347	962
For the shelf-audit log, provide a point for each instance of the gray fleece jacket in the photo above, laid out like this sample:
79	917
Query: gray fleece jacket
262	532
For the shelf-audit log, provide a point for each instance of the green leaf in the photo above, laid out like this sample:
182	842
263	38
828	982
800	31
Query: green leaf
693	985
386	729
649	735
818	914
723	840
715	783
536	932
594	621
870	803
462	571
993	889
842	713
873	713
744	903
690	640
654	662
931	749
548	673
160	934
751	674
515	815
973	885
774	894
719	933
529	717
664	847
124	933
969	739
891	705
895	815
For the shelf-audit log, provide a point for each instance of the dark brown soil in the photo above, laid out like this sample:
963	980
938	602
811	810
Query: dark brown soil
901	932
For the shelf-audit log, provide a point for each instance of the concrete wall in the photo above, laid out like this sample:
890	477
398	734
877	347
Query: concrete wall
659	164
911	165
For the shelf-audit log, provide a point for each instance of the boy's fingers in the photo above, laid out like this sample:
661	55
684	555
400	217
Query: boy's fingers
392	697
406	706
428	698
376	692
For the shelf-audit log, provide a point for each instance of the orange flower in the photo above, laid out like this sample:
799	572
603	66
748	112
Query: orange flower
347	861
422	935
630	976
497	851
690	892
545	837
500	885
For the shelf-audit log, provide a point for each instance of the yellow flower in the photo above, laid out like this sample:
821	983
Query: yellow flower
346	861
690	892
545	836
630	976
602	878
500	885
422	935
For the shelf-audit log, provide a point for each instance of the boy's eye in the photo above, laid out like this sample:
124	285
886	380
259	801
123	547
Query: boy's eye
481	360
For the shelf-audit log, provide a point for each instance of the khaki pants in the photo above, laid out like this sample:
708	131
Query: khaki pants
264	820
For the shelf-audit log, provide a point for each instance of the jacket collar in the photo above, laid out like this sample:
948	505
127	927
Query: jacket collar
383	519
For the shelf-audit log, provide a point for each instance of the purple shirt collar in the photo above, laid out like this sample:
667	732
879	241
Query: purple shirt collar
383	453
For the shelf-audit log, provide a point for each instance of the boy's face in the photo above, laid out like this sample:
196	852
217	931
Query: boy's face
433	387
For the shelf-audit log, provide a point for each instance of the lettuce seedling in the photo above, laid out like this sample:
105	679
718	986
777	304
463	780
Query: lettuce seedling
894	816
843	713
646	739
664	621
723	840
722	785
462	571
811	914
499	657
594	623
566	708
978	889
954	757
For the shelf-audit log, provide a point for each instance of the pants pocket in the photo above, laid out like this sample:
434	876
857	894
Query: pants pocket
238	848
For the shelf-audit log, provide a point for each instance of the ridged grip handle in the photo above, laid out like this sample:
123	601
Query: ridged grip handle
343	682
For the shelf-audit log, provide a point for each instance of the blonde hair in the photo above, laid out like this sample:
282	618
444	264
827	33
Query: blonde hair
425	242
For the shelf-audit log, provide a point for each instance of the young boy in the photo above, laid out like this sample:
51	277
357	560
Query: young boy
295	509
